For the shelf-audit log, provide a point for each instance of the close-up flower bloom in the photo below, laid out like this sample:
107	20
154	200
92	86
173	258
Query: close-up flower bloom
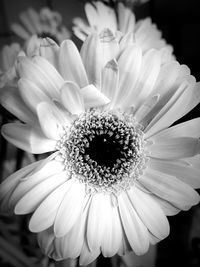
116	165
45	23
143	32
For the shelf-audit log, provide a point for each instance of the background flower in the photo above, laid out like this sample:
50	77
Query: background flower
101	16
46	23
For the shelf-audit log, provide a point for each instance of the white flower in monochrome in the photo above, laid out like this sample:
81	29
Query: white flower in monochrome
143	32
9	54
45	23
115	166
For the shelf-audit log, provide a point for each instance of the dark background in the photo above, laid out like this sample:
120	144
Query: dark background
179	21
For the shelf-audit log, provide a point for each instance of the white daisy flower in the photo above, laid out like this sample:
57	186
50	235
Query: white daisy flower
46	23
115	168
101	16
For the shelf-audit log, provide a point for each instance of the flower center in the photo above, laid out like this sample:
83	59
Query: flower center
103	149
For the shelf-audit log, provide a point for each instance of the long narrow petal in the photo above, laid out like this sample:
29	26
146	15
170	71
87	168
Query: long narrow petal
175	148
71	98
92	59
45	81
112	237
153	218
20	31
110	79
129	68
87	256
45	241
147	78
49	125
71	247
189	128
71	65
11	100
69	209
33	198
45	214
48	168
10	183
180	169
27	138
188	94
96	222
134	228
50	50
170	188
24	17
126	19
31	93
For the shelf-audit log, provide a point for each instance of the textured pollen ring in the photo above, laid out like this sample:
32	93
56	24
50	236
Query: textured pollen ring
104	150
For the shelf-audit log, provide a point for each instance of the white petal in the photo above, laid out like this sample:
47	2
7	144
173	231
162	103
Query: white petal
20	31
45	241
34	18
180	169
168	208
96	222
146	107
186	98
48	122
33	72
49	50
87	256
45	214
129	68
110	79
93	97
170	188
149	212
175	148
31	94
92	59
54	76
92	15
134	228
27	138
33	198
11	100
71	65
47	168
126	18
71	98
148	75
189	128
69	209
9	184
112	237
24	17
73	241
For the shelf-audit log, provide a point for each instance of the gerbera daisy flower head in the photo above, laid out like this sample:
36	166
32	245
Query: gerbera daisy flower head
45	23
115	168
101	16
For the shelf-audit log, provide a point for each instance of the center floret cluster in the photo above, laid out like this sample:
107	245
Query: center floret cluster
103	150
